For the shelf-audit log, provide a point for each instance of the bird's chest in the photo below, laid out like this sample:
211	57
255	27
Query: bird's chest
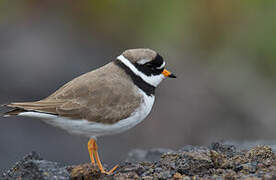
135	118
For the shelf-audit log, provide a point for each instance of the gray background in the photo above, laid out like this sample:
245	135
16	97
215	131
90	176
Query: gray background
223	54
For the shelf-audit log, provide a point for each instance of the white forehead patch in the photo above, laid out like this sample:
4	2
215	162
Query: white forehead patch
162	66
143	61
153	80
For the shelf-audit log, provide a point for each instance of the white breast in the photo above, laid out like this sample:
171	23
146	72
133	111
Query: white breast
92	129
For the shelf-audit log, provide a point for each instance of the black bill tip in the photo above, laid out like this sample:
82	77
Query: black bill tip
172	76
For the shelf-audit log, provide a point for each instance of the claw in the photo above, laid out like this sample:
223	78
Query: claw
111	171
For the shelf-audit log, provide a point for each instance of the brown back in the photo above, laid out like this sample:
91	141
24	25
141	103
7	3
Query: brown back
104	95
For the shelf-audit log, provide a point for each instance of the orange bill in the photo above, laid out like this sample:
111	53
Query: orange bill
167	73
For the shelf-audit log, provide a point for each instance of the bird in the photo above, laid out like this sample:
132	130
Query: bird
105	101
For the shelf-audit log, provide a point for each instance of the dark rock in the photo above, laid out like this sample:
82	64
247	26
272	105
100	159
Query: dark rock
190	148
152	155
193	163
33	167
85	171
226	149
219	161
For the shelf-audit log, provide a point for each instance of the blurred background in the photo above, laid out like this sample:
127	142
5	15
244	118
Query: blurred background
223	53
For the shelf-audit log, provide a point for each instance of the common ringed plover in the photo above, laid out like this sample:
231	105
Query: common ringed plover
105	101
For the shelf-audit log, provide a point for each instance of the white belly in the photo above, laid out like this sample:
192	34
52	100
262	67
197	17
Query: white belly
92	129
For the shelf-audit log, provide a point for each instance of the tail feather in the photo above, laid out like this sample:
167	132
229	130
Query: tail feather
13	112
6	111
44	106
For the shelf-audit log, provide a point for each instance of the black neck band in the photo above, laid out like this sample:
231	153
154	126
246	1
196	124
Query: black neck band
137	80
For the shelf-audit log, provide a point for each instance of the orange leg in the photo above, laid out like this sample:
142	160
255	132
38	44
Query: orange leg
94	148
90	146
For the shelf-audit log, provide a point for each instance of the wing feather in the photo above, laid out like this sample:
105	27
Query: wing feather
105	95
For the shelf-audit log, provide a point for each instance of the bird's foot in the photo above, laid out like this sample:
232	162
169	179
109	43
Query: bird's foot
109	172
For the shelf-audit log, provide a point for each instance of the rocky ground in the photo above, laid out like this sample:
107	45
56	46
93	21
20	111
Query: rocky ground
219	161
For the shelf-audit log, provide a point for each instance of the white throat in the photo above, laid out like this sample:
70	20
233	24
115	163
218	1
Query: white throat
153	80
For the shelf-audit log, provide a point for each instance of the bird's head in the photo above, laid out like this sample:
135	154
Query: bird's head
147	64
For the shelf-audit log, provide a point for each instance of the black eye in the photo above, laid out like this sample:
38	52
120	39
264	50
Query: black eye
157	62
148	64
151	66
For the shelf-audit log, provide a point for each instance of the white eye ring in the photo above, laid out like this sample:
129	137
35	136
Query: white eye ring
143	61
162	66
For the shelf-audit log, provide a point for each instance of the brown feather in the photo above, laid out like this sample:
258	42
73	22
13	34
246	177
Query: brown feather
104	95
13	112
